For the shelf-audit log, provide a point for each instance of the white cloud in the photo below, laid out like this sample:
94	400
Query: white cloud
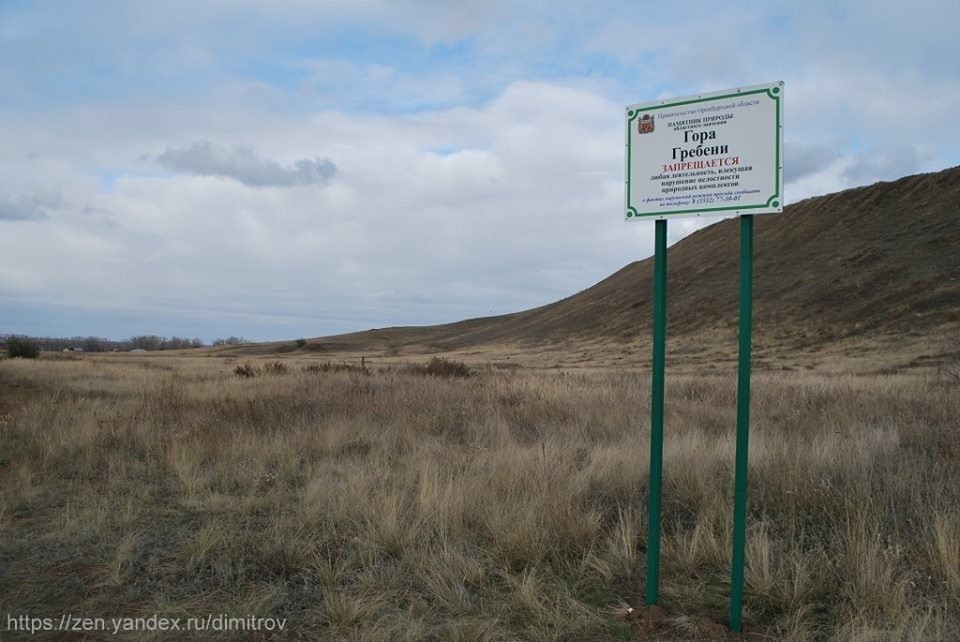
885	164
520	206
332	82
801	161
204	158
33	207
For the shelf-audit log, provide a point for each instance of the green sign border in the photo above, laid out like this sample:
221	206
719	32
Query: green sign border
773	92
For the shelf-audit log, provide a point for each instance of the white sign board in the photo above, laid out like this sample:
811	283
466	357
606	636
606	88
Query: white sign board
713	153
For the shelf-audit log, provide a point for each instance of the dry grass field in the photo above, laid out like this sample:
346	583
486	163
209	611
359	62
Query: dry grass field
394	505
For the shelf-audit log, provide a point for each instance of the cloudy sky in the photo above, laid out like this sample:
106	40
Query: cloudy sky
302	168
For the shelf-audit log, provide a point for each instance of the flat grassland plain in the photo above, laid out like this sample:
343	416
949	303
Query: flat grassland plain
388	504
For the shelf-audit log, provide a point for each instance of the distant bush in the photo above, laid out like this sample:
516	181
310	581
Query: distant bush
440	367
246	371
327	366
276	368
301	343
22	347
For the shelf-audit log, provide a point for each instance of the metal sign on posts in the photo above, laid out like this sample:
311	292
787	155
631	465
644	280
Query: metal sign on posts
710	154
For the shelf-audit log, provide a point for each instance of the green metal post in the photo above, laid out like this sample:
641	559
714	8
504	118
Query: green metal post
656	412
743	423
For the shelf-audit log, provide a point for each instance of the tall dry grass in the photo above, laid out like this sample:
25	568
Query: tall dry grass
506	505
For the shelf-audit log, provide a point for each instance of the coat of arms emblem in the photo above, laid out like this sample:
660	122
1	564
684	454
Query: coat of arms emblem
645	124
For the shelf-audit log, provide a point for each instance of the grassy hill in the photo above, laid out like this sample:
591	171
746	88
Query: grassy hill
867	275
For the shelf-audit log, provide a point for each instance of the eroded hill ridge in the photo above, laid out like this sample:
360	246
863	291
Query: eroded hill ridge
866	271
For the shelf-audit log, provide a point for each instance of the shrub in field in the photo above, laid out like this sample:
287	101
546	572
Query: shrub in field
246	371
301	343
22	347
328	366
276	368
440	367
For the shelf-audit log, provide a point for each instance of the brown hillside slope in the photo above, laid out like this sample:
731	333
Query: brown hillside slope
867	271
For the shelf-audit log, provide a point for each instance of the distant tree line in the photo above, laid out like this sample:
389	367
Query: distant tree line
151	342
154	342
99	344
